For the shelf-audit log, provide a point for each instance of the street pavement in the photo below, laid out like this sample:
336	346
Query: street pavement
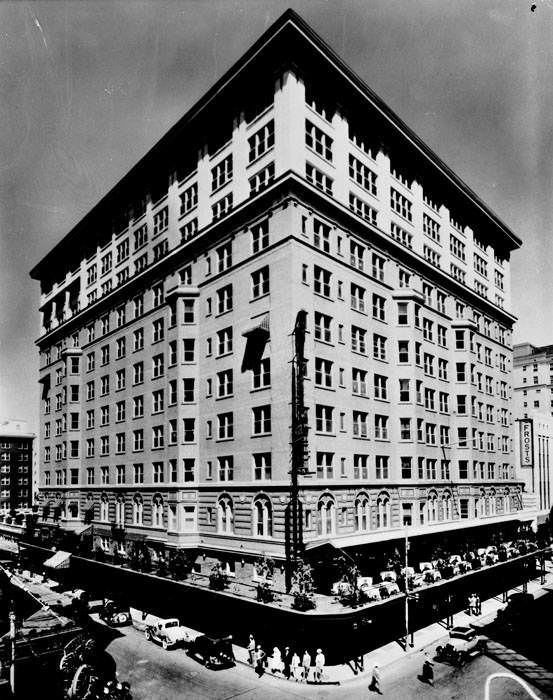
167	675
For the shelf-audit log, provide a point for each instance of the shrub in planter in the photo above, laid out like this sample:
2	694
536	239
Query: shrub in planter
264	592
302	586
218	578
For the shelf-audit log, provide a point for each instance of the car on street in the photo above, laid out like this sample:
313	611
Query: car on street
114	614
169	633
517	611
212	652
464	643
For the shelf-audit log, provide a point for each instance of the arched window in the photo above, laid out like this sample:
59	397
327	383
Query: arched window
507	501
362	512
225	514
157	511
104	508
432	507
327	515
493	502
447	506
120	511
482	503
383	511
262	517
138	510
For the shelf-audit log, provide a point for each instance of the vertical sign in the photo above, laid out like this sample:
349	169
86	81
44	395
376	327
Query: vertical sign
526	442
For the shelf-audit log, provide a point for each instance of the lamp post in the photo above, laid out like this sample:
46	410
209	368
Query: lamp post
512	677
12	651
408	642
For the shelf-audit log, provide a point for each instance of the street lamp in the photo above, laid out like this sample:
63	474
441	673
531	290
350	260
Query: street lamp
512	677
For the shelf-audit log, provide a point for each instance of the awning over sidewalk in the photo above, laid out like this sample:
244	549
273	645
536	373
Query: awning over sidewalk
60	560
82	529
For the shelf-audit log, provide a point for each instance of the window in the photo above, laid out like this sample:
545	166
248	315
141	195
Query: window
379	347
226	468
222	206
225	426
189	199
224	383
401	235
358	340
357	298
261	420
158	472
138	440
380	387
359	382
381	467
322	327
260	282
379	307
360	424
431	228
318	178
138	306
323	372
316	139
400	204
262	178
189	429
362	209
480	265
321	282
432	256
326	516
427	329
404	390
224	299
122	251
260	236
461	371
224	257
120	379
221	173
381	427
189	230
157	366
403	351
157	295
361	174
261	141
225	515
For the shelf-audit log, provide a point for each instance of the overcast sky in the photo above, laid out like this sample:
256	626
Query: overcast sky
86	88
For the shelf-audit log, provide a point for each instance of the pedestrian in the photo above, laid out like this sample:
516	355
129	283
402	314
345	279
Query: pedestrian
478	604
428	670
375	680
286	660
259	661
319	666
276	663
306	665
251	649
472	604
295	667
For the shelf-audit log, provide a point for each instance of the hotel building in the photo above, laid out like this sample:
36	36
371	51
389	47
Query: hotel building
166	316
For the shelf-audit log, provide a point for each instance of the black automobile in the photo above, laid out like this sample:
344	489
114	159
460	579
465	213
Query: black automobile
212	652
114	614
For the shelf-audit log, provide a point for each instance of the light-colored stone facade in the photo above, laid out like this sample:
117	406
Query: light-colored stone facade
359	229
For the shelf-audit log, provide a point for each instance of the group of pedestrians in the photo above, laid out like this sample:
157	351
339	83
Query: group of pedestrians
288	662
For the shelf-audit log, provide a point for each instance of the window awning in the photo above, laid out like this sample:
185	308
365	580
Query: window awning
257	336
45	381
60	560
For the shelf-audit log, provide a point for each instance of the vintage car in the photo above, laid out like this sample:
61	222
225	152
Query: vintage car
463	644
114	614
169	633
212	652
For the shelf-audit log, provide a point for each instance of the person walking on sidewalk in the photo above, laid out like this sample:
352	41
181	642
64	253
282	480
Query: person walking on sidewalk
472	604
306	665
276	663
375	680
427	675
295	667
260	657
287	660
478	604
251	649
319	666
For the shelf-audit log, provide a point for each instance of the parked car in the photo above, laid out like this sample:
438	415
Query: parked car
169	633
463	644
212	652
517	611
114	614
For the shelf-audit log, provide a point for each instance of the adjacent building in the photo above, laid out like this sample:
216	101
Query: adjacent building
166	316
16	465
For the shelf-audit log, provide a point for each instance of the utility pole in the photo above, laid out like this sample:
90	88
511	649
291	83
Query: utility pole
12	652
406	578
299	447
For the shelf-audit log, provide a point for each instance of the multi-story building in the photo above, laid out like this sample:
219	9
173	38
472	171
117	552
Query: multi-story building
167	311
533	379
16	465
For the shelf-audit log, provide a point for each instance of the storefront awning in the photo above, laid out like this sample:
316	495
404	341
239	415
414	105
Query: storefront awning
60	560
82	529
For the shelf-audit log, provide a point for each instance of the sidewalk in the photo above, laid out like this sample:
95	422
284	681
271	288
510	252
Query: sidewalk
428	636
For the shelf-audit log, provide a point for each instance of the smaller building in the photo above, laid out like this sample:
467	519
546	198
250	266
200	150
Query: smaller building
533	379
16	465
